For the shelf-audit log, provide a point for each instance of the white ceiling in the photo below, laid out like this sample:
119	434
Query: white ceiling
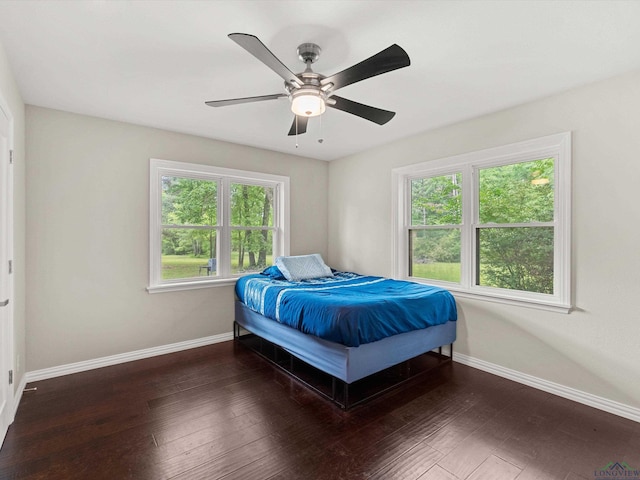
155	63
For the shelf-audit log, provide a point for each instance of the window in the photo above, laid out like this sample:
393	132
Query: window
493	224
435	229
209	225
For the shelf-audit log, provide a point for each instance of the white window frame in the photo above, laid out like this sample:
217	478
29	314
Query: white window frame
557	146
226	176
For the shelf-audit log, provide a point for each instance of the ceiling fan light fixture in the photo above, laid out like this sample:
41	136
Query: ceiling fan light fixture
310	93
308	102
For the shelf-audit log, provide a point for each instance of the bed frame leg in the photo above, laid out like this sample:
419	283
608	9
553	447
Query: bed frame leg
345	389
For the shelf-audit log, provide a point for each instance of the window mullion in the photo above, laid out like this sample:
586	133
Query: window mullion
276	239
225	230
406	247
259	229
515	225
190	227
433	227
469	194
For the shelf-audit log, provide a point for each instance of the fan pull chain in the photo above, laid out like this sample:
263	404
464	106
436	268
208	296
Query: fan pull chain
320	140
296	131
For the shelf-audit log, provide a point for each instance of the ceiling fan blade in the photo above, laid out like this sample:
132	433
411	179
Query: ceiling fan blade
385	61
255	47
373	114
235	101
302	125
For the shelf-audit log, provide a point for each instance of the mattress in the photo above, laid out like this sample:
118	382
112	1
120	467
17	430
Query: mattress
348	308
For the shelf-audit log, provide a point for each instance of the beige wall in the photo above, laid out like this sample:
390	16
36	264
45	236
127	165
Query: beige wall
595	348
11	95
88	235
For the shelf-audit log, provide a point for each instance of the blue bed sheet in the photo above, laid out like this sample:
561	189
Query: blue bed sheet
348	308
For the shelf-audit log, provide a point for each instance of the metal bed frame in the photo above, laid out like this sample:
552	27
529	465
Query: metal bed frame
338	391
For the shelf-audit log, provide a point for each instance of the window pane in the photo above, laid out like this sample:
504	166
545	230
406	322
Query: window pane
516	258
186	201
436	200
251	250
251	205
186	253
435	254
517	193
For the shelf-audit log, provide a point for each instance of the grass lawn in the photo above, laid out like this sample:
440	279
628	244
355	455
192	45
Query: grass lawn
448	272
185	266
182	266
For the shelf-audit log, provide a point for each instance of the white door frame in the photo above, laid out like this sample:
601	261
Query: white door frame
8	292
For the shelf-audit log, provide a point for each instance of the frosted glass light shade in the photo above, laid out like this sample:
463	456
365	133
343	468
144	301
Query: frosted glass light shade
307	103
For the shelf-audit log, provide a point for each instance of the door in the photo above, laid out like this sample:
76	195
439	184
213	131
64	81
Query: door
6	343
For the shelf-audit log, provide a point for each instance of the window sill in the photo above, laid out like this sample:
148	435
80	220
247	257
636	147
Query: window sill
540	305
176	287
505	299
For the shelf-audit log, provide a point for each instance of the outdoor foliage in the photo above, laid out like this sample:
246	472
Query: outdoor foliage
251	206
436	201
517	258
436	247
190	214
514	257
189	202
517	193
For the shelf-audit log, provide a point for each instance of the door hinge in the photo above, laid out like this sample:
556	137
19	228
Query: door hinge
10	267
11	157
10	377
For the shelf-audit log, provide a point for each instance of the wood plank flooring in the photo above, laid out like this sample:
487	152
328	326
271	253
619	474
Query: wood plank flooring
221	412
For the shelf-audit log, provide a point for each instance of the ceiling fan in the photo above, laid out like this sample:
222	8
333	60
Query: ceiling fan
310	92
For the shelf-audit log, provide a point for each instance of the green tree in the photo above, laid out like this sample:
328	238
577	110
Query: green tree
517	193
519	258
251	206
436	200
189	202
511	254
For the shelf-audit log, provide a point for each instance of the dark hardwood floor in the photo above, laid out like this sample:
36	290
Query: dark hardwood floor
222	412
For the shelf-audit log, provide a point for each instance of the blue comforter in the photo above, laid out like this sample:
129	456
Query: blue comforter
348	308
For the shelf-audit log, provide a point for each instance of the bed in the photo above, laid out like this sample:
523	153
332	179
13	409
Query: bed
347	325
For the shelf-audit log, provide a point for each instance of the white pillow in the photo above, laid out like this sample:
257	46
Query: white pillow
303	267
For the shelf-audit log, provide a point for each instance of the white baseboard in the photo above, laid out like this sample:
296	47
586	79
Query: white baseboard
69	368
17	396
611	406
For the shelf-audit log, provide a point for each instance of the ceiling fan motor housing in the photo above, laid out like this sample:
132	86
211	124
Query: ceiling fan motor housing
308	99
309	52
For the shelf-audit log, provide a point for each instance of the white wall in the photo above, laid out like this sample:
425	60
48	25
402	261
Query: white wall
595	348
88	238
11	95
